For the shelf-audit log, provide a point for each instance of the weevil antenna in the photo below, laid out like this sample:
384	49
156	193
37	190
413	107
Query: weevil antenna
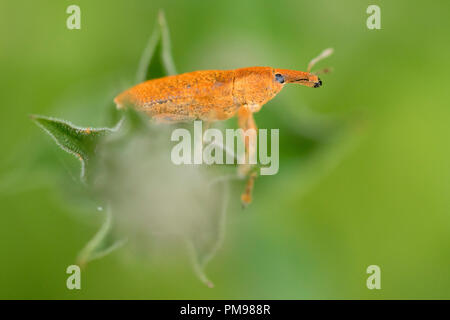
325	53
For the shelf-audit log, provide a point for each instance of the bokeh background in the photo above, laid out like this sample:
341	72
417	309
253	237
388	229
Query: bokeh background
376	195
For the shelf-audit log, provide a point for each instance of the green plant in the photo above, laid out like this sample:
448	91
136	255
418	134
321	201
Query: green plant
95	146
143	194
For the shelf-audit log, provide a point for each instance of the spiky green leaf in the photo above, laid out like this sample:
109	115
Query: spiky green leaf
156	60
78	141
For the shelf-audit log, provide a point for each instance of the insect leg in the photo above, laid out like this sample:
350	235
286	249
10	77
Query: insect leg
246	196
248	125
247	122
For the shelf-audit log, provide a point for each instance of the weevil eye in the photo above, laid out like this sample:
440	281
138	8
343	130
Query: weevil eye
279	78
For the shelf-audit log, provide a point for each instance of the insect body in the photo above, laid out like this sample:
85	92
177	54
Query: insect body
213	95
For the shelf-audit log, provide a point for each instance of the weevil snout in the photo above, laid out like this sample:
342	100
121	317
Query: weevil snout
300	77
318	83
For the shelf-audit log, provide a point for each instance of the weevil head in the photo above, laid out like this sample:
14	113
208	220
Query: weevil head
257	85
300	77
254	86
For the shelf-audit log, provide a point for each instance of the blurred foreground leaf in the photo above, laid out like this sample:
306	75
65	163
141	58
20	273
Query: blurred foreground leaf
157	62
203	244
101	244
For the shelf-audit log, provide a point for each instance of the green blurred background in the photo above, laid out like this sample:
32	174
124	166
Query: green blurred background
377	196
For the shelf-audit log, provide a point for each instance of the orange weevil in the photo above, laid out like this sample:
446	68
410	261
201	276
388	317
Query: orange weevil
213	95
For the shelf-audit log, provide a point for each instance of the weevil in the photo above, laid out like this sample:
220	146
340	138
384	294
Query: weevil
213	95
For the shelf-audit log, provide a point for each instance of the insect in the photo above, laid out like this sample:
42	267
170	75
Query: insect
213	95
